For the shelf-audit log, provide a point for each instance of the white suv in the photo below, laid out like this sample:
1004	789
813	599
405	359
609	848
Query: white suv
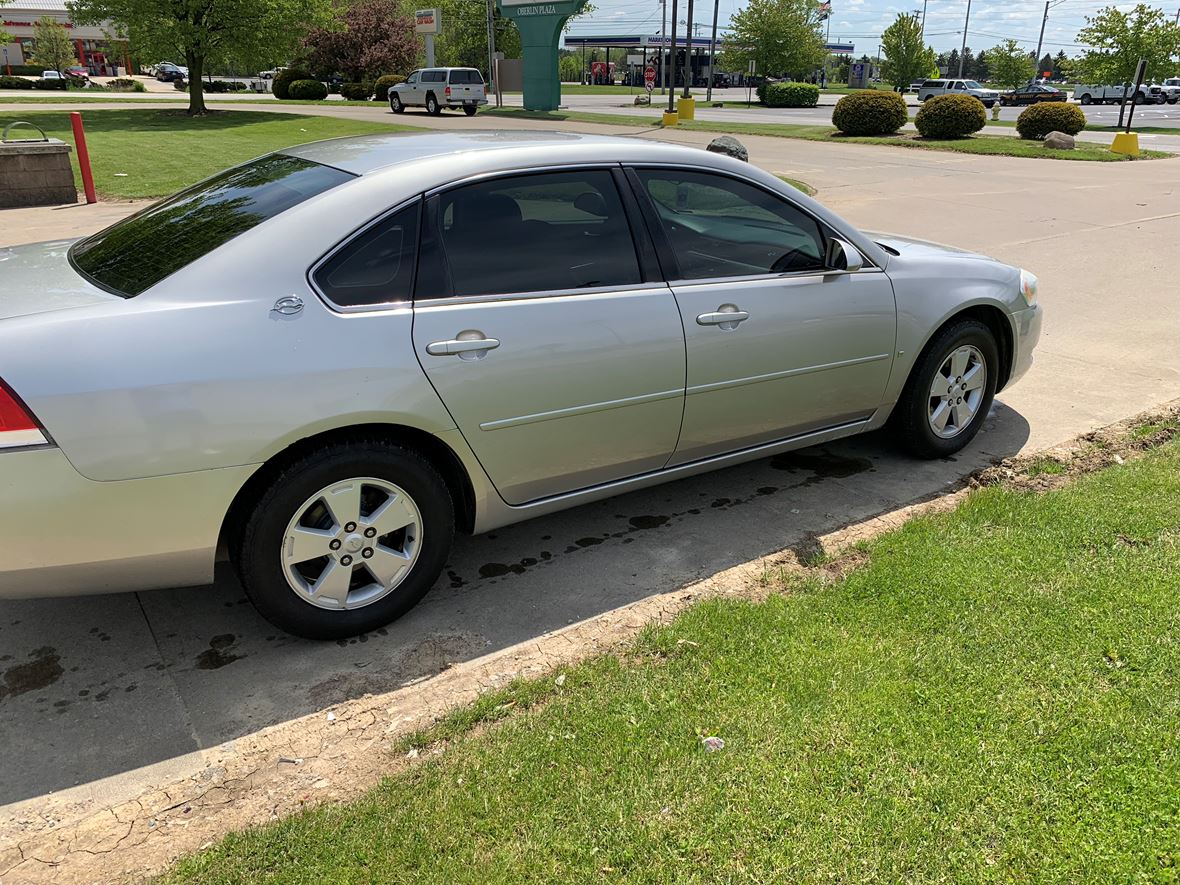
438	88
931	88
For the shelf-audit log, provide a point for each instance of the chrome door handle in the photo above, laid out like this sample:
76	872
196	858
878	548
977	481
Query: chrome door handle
727	316
460	346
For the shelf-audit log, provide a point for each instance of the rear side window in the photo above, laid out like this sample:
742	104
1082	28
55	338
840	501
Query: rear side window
434	77
467	78
138	252
377	267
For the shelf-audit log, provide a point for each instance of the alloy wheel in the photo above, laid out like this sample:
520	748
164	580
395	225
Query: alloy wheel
957	391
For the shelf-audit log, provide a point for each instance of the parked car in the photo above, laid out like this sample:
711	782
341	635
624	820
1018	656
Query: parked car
1032	94
1099	94
931	88
438	88
270	75
328	360
166	72
1171	89
78	72
51	75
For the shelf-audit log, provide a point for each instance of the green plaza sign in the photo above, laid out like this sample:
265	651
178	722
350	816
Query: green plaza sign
540	26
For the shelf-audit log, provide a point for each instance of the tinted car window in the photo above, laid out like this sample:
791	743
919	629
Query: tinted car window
377	266
722	227
534	233
470	78
434	77
139	251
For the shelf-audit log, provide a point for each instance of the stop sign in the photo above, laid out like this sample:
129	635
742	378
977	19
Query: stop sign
649	77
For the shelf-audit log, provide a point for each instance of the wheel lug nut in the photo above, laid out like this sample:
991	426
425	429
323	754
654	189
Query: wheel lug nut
346	560
370	532
334	544
367	552
350	527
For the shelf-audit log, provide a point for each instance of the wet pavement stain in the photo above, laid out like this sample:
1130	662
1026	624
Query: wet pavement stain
41	672
589	542
217	654
493	570
824	465
647	522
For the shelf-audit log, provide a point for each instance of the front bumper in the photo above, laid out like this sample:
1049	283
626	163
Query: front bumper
1026	325
62	534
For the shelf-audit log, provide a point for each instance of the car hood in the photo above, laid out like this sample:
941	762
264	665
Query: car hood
39	278
909	247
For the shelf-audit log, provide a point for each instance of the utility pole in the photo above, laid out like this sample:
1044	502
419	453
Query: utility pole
966	22
492	74
672	64
713	51
1041	39
923	22
688	53
663	33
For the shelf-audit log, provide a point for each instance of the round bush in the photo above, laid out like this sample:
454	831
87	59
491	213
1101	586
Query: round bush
283	80
1038	120
788	95
870	113
7	82
307	90
950	116
381	87
125	84
180	85
49	84
356	91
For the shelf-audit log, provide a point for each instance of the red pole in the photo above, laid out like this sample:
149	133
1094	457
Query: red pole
83	157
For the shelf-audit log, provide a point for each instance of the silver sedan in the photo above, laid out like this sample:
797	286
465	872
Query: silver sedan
327	361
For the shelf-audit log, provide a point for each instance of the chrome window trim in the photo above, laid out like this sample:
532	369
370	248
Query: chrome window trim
544	293
383	306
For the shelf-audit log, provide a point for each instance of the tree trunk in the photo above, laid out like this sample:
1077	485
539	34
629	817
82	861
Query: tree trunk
196	89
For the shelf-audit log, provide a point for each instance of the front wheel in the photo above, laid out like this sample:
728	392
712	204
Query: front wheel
432	106
1086	99
949	391
469	110
395	103
345	540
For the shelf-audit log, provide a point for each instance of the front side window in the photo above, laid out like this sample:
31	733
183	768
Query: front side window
537	233
137	252
376	267
413	78
721	227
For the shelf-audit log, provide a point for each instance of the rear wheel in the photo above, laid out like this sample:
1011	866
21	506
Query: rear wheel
432	105
949	391
395	103
345	540
1086	99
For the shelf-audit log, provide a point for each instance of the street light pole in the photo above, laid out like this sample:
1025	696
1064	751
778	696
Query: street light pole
688	35
672	64
492	74
966	22
712	52
663	34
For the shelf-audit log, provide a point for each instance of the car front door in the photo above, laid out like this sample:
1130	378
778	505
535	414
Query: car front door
547	331
778	345
411	93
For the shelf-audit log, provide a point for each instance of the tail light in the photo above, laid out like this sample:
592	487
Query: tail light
18	427
447	92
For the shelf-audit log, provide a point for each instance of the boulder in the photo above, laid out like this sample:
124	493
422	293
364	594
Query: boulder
643	99
1060	141
727	144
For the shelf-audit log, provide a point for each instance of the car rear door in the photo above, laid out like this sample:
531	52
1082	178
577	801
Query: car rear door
777	344
546	330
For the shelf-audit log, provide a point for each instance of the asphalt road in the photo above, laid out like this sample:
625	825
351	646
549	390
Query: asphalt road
109	693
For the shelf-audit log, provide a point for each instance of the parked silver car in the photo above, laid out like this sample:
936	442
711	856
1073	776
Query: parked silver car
330	359
931	88
438	88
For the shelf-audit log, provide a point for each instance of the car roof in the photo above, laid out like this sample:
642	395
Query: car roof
363	154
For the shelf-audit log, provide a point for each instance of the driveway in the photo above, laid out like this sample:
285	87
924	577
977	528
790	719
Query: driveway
103	695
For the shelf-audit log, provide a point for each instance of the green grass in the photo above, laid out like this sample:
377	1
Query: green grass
797	184
1045	465
997	145
150	153
993	697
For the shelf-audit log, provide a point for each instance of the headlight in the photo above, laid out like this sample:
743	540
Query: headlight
1028	287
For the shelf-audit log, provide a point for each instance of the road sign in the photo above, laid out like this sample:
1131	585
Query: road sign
649	78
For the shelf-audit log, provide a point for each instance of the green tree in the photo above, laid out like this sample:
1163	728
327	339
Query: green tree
981	70
1120	39
245	34
569	68
1046	64
464	38
907	57
52	49
1011	66
1063	66
779	36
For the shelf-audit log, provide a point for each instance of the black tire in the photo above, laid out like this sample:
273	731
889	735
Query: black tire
432	106
469	110
1086	99
395	103
255	551
910	418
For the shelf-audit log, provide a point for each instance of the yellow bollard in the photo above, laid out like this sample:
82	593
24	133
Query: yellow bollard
687	108
671	118
1126	143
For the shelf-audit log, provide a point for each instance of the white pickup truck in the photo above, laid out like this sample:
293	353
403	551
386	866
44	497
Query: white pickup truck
1095	94
1171	89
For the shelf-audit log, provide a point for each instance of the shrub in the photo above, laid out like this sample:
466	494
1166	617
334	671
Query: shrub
356	91
788	95
381	87
870	113
180	85
284	78
307	90
125	85
7	82
950	116
1038	120
41	83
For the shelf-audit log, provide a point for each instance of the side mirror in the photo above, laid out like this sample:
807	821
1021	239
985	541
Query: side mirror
844	256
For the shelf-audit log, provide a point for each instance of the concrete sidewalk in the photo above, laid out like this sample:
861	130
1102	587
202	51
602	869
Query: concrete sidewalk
147	681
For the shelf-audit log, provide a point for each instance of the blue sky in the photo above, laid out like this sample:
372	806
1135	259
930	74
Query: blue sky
861	21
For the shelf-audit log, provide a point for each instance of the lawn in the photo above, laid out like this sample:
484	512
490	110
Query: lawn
991	697
999	145
150	153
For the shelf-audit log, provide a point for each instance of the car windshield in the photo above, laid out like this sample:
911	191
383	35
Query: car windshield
971	84
138	252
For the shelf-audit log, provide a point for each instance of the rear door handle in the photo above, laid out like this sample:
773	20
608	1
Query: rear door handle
460	346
